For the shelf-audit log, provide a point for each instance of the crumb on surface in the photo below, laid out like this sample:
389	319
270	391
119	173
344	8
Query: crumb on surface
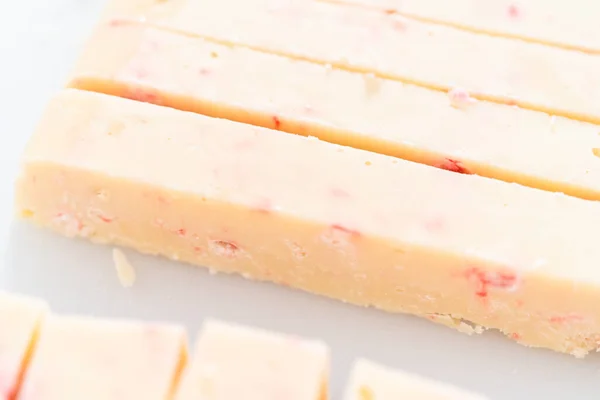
125	270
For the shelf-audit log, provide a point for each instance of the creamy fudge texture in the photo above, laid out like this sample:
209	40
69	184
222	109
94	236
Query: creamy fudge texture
20	319
569	24
234	362
349	224
370	381
380	115
559	81
83	358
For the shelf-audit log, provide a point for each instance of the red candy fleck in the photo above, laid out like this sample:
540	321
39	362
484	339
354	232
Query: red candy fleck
491	279
454	166
561	319
105	219
94	213
11	393
515	336
277	122
345	230
181	232
204	71
513	11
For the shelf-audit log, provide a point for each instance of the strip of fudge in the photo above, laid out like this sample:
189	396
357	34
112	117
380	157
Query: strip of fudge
358	226
20	320
144	63
370	381
568	24
234	362
97	359
554	80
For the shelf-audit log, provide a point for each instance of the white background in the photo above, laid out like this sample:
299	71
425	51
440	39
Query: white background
39	40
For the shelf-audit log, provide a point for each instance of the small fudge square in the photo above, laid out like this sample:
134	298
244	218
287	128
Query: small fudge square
95	359
20	319
234	362
370	381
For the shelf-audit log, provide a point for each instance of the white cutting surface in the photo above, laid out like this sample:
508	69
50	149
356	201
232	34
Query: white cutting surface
39	40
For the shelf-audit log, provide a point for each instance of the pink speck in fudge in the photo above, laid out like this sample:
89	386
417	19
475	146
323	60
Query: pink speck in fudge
265	206
339	193
452	165
399	23
224	248
345	230
106	219
309	110
244	144
199	250
140	73
435	225
515	336
513	11
204	71
460	98
567	318
162	200
118	22
520	303
143	95
276	122
484	280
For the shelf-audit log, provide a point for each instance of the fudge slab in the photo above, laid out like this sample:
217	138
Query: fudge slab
358	226
370	381
569	24
234	362
558	81
20	320
380	115
96	359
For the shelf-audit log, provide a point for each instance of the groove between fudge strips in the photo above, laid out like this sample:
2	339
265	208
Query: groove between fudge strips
383	116
431	55
368	229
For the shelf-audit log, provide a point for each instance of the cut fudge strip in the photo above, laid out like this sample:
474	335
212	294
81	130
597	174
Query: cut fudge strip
569	24
234	362
384	116
20	319
83	358
370	381
555	80
350	224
